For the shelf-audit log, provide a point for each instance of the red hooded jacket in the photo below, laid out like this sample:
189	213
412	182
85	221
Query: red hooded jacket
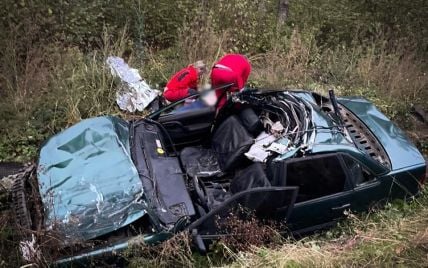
232	68
178	86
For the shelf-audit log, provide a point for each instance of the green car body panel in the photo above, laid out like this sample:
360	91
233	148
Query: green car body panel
87	181
400	149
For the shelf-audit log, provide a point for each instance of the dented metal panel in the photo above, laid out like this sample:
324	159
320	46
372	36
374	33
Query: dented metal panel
88	182
399	148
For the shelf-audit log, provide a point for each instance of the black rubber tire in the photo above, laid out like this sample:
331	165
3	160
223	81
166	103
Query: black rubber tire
9	168
19	203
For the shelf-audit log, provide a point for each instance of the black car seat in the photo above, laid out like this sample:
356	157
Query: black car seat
252	176
229	143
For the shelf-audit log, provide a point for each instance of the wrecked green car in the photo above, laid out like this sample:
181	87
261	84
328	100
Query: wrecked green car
291	156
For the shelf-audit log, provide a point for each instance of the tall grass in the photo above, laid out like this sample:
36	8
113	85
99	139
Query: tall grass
47	86
397	236
84	80
50	87
197	40
391	73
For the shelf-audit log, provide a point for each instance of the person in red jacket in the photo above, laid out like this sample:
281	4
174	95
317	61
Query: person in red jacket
231	69
184	82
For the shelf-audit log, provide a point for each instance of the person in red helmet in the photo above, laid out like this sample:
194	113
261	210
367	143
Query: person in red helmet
231	69
184	82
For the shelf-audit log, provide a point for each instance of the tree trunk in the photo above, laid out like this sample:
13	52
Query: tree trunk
282	11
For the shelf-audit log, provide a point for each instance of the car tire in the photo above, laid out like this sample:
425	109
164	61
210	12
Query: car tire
19	203
10	168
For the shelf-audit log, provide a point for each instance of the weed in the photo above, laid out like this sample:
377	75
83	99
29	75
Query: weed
242	233
47	85
9	253
171	253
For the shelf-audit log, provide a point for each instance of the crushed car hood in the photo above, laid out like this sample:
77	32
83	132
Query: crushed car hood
87	181
400	149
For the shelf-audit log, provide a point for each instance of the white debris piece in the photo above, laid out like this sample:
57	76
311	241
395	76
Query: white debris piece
134	93
30	250
258	151
264	139
257	154
278	148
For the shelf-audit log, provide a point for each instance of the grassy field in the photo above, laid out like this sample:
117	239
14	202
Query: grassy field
394	237
53	74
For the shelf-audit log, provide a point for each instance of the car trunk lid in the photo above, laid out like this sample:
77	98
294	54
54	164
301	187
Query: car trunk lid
401	151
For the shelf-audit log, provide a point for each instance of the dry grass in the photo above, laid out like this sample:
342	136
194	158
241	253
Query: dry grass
205	43
50	87
9	254
46	87
394	236
85	80
65	74
247	231
377	71
197	40
175	252
397	236
284	66
399	74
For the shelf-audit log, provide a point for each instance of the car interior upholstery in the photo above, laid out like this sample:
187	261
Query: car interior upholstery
209	155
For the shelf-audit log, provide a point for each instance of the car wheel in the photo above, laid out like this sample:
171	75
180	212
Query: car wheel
9	168
19	202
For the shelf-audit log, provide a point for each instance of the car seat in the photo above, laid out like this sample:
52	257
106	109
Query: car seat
228	144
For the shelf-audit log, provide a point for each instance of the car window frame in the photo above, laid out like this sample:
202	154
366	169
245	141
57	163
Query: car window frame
365	184
347	188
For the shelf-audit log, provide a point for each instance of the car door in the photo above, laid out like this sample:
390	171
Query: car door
369	189
188	126
264	203
325	191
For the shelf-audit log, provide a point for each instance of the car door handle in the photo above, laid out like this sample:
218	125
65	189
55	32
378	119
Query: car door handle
343	207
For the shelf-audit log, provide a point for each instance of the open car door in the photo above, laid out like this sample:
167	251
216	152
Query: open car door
190	126
265	203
